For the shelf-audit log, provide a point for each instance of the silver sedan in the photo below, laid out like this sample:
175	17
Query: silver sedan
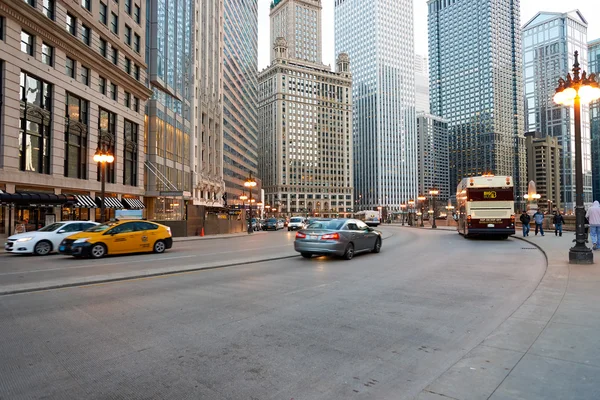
339	237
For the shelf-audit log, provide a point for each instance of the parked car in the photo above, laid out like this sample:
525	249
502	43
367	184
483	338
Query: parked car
45	240
272	224
263	224
255	224
120	237
340	237
296	223
280	224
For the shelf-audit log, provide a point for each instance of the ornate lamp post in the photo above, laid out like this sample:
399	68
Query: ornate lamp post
421	201
103	156
267	207
411	205
403	211
573	92
433	193
250	183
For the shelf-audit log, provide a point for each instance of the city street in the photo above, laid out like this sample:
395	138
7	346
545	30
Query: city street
381	326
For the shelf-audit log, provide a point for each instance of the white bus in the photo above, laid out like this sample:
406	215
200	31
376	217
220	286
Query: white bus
486	206
369	217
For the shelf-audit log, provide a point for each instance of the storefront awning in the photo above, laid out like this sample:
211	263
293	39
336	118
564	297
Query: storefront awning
84	202
36	199
110	202
132	204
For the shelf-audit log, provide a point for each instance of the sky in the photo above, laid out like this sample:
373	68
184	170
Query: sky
528	10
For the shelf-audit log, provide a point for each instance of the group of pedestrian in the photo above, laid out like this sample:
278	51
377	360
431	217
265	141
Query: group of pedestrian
538	219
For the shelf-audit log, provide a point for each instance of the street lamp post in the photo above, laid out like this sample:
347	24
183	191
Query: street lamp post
421	201
411	205
403	211
573	92
250	183
267	207
103	156
433	193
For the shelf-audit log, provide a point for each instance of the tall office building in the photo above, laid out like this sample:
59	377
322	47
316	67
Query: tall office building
549	41
378	37
240	95
594	68
433	157
305	119
476	84
421	84
543	167
71	81
170	54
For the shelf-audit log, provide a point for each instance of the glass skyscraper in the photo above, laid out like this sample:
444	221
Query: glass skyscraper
594	68
378	37
475	72
240	91
549	41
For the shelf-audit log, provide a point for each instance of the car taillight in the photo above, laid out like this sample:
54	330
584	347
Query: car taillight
300	235
169	230
331	236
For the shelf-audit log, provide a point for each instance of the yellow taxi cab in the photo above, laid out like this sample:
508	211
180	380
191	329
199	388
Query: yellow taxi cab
118	237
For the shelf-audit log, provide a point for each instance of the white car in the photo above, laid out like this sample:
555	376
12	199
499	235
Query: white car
296	223
45	240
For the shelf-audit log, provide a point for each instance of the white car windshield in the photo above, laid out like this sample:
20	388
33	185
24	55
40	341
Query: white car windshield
51	227
296	220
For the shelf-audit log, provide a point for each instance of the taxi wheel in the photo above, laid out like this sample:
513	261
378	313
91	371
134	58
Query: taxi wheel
42	248
159	247
98	250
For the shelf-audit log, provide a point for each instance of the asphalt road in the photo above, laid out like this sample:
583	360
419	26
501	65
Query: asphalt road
381	326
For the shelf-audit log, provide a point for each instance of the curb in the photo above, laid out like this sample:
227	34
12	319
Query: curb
535	245
214	237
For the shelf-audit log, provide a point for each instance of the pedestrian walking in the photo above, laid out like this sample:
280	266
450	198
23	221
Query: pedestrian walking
525	220
558	222
538	218
593	215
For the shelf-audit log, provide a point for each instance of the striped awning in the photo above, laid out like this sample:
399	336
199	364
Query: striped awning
132	204
110	202
84	202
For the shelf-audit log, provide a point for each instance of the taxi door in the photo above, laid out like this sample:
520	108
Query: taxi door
123	239
148	235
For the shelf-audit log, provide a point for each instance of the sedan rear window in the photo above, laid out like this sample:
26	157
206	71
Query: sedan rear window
332	225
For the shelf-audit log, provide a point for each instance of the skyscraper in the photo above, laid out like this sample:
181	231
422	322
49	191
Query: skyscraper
549	40
378	37
421	84
432	146
305	117
594	68
240	95
476	84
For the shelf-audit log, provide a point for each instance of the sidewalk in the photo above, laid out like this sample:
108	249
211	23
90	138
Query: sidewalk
212	237
549	348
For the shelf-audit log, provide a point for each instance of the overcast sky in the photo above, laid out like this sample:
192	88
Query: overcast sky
528	10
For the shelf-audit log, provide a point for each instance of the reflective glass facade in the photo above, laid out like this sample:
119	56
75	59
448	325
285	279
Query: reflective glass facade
476	84
594	67
384	123
549	41
240	88
433	155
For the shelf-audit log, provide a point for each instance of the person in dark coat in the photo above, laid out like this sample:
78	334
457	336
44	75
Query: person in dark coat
525	220
558	222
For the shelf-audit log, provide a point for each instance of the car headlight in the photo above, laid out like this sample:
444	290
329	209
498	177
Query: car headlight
82	240
25	239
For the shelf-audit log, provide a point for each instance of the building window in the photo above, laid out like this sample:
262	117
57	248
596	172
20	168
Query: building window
31	3
114	91
128	65
70	67
85	76
136	14
103	13
87	4
128	35
107	126
48	9
136	104
114	23
76	134
47	54
86	35
27	43
35	122
1	27
136	72
103	47
128	6
115	56
102	85
127	100
130	154
71	24
136	43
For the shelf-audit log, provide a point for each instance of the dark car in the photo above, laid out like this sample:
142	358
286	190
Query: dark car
339	237
272	223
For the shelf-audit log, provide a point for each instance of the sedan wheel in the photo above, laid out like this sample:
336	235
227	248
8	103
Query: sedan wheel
377	247
98	251
349	253
159	247
306	255
42	248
